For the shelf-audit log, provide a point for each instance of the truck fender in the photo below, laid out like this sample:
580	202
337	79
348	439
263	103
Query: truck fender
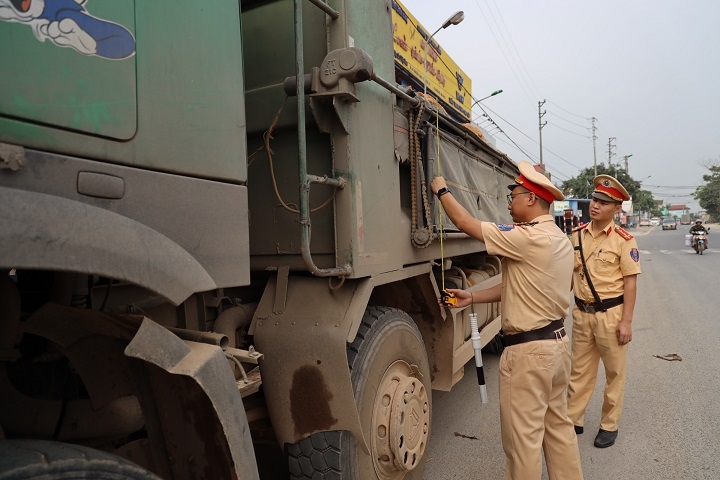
192	377
43	231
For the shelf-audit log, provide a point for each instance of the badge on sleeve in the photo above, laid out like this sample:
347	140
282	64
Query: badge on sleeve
505	228
634	254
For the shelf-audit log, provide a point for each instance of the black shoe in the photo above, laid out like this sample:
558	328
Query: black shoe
605	439
578	430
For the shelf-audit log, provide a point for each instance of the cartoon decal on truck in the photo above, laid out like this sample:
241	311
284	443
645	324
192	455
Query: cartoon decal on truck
67	23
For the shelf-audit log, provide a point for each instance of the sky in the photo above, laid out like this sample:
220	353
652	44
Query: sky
648	71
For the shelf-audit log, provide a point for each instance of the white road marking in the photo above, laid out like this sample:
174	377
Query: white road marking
672	252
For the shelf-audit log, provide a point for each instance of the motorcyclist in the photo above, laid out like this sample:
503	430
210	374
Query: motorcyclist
697	229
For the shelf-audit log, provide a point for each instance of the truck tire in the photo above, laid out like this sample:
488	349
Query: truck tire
390	375
45	460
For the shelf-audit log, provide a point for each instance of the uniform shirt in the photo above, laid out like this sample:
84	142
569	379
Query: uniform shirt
609	258
537	271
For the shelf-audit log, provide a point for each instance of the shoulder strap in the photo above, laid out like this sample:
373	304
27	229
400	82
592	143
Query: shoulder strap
623	233
587	275
579	227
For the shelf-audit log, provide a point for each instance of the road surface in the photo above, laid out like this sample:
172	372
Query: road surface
670	427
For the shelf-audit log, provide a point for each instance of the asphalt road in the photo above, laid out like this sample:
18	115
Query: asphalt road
671	424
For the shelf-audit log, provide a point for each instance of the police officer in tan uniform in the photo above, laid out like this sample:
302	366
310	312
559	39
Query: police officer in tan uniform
535	365
607	263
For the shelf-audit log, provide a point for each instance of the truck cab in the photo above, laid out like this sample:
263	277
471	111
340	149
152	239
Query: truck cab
219	241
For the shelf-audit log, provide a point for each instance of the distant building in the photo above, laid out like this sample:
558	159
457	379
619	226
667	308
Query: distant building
678	209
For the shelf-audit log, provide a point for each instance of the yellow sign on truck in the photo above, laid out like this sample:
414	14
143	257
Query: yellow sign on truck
445	80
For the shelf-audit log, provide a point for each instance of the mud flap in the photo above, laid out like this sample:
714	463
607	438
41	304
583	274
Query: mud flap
305	370
197	406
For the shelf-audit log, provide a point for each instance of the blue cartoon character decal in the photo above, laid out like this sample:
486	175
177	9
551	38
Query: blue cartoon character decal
66	23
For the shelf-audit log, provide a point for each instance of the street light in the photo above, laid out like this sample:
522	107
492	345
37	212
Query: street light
456	18
485	98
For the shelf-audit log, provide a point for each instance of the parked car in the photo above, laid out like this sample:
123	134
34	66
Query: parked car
669	224
654	221
644	222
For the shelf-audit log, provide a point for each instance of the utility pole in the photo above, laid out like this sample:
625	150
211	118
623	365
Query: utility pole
594	137
626	162
610	148
541	125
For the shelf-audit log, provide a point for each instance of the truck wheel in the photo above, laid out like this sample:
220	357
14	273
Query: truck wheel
391	380
40	459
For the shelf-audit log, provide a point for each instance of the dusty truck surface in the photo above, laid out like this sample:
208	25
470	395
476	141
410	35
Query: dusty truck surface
218	242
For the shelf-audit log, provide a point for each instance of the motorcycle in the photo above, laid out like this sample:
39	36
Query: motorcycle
699	241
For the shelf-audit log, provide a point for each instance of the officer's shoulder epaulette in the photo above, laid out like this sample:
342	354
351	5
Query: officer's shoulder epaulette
506	228
580	227
623	233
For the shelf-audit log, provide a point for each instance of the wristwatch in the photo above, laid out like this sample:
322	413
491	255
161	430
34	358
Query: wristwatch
442	192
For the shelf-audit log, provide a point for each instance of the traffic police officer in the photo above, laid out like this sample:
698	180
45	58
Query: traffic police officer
534	368
607	263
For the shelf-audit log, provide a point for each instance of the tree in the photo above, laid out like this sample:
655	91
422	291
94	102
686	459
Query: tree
708	195
643	200
582	186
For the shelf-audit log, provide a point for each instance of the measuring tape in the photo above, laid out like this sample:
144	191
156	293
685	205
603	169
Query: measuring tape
446	297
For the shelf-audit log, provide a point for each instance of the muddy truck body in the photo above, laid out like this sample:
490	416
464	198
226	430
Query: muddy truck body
218	241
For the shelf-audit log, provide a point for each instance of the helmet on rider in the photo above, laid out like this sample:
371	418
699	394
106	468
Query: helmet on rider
698	222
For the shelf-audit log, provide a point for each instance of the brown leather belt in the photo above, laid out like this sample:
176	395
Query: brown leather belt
553	330
602	306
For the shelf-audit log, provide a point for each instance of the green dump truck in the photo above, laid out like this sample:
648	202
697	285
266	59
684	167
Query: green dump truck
218	242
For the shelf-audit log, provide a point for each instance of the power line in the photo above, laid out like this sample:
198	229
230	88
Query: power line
503	132
574	114
585	127
533	140
530	156
512	68
514	53
464	88
672	186
568	131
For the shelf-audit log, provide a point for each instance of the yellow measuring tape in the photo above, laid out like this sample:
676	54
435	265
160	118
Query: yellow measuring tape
446	297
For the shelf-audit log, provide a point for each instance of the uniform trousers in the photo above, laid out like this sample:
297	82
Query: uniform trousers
533	411
594	339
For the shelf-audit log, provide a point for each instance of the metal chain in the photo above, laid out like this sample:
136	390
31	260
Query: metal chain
412	134
420	236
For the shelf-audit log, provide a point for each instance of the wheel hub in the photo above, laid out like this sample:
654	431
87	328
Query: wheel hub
401	422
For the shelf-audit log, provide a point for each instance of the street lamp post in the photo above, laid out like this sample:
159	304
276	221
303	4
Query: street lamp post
456	18
496	92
